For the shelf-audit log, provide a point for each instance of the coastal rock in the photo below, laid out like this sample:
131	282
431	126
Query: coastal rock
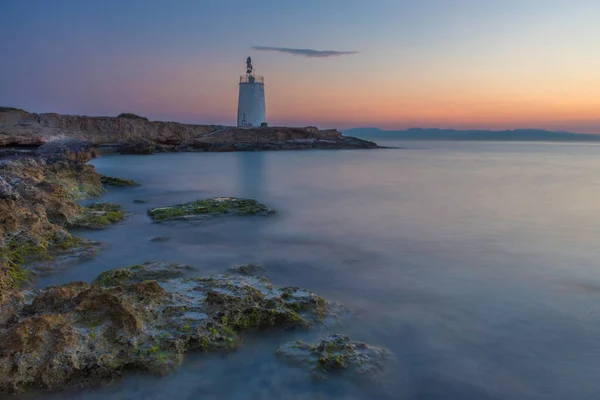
142	317
137	135
98	215
337	353
210	207
73	150
247	269
137	146
36	203
110	181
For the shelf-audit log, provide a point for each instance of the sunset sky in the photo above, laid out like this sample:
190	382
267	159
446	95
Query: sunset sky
490	64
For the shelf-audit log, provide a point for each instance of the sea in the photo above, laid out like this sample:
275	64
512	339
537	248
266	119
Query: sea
477	264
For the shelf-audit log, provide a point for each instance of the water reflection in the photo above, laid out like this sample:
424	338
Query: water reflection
251	183
251	176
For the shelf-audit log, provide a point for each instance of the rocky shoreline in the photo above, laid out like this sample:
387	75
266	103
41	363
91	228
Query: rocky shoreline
22	132
142	317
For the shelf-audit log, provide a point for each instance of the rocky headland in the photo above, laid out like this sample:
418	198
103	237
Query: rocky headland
21	131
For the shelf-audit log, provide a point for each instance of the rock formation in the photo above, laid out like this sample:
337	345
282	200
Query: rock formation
37	203
111	181
338	353
210	207
142	317
98	215
129	135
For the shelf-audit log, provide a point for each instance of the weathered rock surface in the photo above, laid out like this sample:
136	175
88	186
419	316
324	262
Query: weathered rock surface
110	181
210	207
140	136
337	353
73	150
98	215
143	317
137	146
247	269
36	202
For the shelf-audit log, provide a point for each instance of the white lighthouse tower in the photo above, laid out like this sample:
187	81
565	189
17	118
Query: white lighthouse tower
251	100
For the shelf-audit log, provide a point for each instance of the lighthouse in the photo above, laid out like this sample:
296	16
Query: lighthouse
251	100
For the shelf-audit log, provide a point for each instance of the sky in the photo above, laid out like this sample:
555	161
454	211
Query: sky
394	64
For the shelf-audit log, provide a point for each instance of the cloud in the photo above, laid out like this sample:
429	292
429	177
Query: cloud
305	52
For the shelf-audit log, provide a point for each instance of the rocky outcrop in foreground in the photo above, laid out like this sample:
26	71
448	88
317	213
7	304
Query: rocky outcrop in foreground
210	208
37	204
143	317
136	135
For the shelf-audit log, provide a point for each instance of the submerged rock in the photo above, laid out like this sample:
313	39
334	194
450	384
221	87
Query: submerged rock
143	317
110	181
210	207
248	269
142	272
98	215
337	352
160	239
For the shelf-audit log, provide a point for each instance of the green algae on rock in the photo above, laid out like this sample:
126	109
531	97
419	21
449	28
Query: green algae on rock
337	352
36	202
110	181
247	269
142	272
143	317
98	215
210	207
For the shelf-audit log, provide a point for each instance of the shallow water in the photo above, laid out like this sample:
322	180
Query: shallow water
477	264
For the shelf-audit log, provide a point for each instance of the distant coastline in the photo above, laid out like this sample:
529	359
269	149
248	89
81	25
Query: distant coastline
474	135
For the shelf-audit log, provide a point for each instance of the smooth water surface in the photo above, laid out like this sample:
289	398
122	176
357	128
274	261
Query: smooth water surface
477	264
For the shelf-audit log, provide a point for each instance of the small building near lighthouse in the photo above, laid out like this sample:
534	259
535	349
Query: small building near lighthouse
251	99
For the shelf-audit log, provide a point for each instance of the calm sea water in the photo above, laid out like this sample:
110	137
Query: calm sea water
477	264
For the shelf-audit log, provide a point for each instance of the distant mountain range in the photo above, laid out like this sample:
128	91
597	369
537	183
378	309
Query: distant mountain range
452	134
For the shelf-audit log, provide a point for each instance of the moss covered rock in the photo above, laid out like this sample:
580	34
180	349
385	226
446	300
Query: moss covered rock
143	317
210	207
247	269
36	202
98	215
337	353
110	181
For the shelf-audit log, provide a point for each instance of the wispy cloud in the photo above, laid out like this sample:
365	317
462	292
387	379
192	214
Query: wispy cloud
306	52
